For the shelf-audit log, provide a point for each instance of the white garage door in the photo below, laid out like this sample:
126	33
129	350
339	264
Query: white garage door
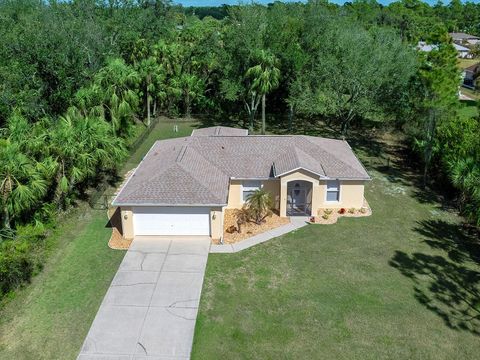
173	220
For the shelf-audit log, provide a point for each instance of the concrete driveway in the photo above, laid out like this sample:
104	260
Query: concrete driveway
149	310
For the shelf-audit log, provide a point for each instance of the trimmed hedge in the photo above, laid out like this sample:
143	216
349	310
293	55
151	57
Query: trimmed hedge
16	264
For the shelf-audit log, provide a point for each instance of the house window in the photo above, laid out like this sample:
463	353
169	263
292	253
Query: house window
249	187
333	190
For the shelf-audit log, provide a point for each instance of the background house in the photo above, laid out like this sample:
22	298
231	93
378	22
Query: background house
464	39
462	51
470	74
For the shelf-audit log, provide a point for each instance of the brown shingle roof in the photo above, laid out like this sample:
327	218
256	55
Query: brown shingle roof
472	68
219	131
196	170
462	36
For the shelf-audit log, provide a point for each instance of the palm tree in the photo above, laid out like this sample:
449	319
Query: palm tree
265	78
192	88
29	137
89	100
116	83
80	146
21	183
242	216
170	58
147	68
259	205
106	150
465	175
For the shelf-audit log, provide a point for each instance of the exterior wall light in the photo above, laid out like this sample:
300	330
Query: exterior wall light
214	216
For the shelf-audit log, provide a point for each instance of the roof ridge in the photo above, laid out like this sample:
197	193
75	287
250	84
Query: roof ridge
200	186
308	138
146	181
187	170
211	163
301	153
181	153
304	154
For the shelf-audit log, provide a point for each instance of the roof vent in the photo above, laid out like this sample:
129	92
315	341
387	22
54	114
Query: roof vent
181	153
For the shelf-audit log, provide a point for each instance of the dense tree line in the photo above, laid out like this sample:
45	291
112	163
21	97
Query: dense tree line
77	77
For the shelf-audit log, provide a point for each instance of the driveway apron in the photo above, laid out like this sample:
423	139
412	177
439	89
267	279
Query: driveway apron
150	309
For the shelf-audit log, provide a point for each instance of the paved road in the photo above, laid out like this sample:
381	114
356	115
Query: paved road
150	309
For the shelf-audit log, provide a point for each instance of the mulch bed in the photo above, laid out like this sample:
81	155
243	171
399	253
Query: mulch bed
249	229
116	242
334	214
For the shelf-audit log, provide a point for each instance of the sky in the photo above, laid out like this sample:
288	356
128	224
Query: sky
234	2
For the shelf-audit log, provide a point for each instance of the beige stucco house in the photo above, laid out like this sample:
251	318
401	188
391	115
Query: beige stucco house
183	185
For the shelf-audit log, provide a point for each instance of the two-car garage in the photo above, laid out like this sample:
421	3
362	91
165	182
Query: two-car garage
171	220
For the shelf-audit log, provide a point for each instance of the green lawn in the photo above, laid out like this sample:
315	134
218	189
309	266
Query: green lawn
464	63
395	285
468	110
401	284
473	94
49	318
163	130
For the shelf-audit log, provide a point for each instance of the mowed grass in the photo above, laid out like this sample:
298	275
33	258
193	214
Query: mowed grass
464	63
473	94
400	284
49	318
468	110
163	130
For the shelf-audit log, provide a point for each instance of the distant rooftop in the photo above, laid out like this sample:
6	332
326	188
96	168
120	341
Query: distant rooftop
423	46
460	47
472	68
462	36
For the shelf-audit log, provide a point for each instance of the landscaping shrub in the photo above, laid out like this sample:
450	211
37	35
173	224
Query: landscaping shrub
16	264
351	210
231	229
259	205
20	255
342	211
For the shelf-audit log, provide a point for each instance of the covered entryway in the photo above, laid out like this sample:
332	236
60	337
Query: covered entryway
171	220
299	198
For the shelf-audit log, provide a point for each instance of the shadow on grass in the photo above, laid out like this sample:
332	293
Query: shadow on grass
447	283
115	220
401	167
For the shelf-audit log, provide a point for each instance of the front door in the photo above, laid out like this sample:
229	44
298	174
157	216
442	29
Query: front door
298	195
297	203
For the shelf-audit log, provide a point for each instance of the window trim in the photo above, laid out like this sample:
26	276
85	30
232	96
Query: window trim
250	187
337	190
